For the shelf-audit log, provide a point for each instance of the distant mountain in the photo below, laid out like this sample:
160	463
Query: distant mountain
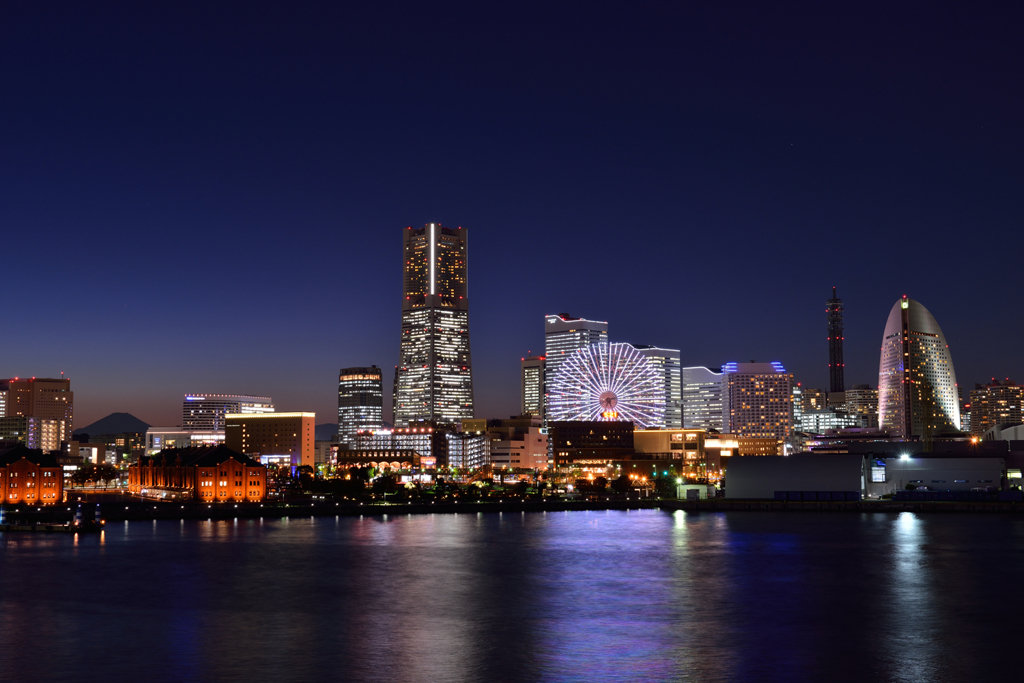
115	423
326	432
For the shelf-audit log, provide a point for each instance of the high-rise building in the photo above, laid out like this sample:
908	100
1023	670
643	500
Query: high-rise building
797	403
863	400
35	433
917	390
532	372
834	318
702	398
206	412
360	402
563	336
43	399
995	403
434	377
813	399
666	361
271	435
756	400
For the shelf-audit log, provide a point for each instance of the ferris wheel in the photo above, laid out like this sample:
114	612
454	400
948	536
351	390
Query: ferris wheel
603	382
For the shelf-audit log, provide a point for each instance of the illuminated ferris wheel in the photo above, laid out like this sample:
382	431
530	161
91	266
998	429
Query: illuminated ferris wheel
608	382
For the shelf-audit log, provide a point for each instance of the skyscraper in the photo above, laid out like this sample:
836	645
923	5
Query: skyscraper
834	318
532	369
757	400
917	391
668	365
702	398
434	377
563	336
360	402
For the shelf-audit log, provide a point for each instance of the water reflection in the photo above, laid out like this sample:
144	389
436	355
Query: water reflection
598	596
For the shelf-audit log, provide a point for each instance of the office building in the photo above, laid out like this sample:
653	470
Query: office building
917	390
28	475
268	435
863	400
680	450
159	438
360	402
995	403
40	398
33	432
469	451
516	443
797	403
207	412
834	322
434	377
702	398
209	474
532	374
563	336
429	442
590	446
756	400
666	362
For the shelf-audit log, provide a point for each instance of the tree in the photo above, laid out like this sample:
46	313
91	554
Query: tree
600	483
384	484
622	485
519	489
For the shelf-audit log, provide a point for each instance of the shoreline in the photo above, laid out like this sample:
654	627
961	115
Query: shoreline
121	511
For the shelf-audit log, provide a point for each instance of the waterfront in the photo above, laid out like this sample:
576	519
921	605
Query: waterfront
559	596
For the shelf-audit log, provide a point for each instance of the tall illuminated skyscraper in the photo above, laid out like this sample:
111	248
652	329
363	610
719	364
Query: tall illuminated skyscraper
917	391
360	402
434	377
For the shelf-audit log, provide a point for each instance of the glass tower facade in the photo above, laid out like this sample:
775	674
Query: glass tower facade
532	370
702	398
917	390
360	402
434	376
669	367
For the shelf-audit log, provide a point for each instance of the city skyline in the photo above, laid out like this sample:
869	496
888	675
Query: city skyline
229	224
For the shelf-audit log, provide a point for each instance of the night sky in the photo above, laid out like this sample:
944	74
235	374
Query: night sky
211	197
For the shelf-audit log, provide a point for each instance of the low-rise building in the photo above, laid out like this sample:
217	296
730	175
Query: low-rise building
212	474
587	445
30	476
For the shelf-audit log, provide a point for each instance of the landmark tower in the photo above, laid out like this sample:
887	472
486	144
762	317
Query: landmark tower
434	376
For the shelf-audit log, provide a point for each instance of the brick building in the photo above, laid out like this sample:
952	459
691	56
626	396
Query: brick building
30	476
214	474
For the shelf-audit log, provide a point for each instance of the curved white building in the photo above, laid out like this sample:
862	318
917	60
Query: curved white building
917	392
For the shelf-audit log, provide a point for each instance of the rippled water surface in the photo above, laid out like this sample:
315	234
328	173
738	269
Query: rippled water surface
580	596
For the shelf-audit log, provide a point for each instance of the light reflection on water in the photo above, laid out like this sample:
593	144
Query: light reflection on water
583	596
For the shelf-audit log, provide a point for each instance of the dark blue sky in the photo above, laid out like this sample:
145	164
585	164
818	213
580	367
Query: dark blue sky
210	197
